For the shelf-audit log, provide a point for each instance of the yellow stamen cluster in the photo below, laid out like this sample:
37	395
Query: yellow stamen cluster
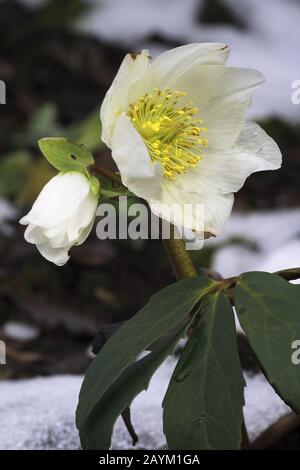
171	133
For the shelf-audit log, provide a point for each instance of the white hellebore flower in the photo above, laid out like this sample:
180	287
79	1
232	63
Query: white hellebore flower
62	215
177	130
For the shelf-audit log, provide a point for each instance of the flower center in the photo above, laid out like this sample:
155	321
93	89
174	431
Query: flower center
171	133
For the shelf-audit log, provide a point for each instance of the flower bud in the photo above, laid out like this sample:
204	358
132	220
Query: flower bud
62	215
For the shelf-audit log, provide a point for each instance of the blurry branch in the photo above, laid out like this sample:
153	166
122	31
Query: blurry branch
23	357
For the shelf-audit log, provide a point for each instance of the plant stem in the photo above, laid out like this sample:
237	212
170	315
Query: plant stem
113	177
184	267
180	259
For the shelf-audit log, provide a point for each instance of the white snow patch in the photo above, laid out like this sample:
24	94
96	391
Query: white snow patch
263	405
20	331
7	212
39	413
272	242
269	45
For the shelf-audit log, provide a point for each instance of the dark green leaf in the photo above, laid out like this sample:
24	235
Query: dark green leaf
164	311
97	429
268	308
65	155
204	401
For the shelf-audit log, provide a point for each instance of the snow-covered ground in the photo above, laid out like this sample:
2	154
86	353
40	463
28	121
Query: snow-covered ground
39	413
264	241
269	44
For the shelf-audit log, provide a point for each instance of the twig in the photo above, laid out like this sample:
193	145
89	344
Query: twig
114	177
276	431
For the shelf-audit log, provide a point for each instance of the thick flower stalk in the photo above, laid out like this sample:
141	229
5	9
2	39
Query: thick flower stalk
178	133
62	215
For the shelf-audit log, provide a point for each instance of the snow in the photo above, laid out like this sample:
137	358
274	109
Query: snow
263	406
20	331
271	242
270	44
7	212
39	413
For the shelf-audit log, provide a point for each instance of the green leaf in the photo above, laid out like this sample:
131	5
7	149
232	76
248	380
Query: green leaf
268	308
164	311
97	429
110	190
204	401
65	155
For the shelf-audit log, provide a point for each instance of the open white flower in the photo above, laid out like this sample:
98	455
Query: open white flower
62	215
177	130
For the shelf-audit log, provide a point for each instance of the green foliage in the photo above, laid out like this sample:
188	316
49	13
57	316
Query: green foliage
166	310
59	14
65	155
268	308
87	131
13	170
43	122
110	190
97	429
22	173
95	184
203	406
204	402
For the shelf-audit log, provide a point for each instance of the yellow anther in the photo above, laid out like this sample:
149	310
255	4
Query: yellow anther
155	126
171	133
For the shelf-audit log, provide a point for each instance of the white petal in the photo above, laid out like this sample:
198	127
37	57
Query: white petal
198	212
85	233
223	95
58	236
82	217
58	200
34	234
169	66
58	256
138	173
123	91
226	171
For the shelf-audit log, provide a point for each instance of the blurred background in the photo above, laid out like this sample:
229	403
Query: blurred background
57	60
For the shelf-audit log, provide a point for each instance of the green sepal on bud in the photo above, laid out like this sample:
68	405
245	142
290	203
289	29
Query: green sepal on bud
95	185
65	155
